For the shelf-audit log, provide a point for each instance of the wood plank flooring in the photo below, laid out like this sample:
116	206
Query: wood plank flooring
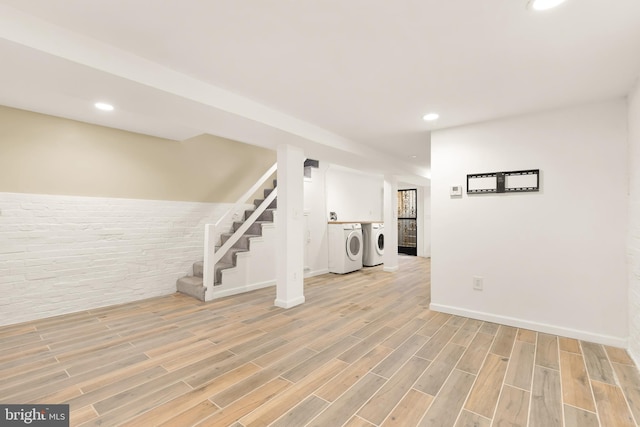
364	350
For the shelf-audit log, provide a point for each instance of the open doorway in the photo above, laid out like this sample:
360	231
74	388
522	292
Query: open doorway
408	222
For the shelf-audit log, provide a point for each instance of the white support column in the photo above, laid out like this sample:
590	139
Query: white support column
426	228
290	227
390	256
424	222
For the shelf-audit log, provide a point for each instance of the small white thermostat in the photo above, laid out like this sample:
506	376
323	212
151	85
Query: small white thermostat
456	190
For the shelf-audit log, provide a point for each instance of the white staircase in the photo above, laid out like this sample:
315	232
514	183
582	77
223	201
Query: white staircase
242	259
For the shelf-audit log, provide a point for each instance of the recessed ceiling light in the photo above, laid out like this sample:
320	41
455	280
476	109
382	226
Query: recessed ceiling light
414	156
544	4
103	106
430	117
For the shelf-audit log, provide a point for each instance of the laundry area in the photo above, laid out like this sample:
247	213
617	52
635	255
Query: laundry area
353	246
345	225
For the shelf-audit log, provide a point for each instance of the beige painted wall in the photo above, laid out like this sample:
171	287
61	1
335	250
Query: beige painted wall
49	155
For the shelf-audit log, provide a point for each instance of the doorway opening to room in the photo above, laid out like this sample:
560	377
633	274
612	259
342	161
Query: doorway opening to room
408	222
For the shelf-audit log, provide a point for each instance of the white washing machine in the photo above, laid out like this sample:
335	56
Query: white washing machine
345	248
373	235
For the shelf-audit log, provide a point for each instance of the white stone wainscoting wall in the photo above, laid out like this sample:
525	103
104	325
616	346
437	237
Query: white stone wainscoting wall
64	254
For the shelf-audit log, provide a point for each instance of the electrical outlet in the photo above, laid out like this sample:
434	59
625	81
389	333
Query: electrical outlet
478	283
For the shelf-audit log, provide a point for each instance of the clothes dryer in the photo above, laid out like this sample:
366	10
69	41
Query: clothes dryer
373	235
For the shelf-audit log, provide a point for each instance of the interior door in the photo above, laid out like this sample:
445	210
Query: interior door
408	222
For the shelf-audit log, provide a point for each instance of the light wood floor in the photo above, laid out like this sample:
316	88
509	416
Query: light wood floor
364	350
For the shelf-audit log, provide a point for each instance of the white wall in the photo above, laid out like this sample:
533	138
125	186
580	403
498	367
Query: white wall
355	196
552	261
315	211
425	227
633	242
62	254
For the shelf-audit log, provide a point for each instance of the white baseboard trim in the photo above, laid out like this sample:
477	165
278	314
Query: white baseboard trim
238	290
316	273
390	269
289	304
534	326
260	285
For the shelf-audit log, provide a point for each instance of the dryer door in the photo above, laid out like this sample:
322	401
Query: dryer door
380	242
354	245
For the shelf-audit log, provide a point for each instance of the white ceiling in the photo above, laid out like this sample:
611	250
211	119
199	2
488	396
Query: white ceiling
346	79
